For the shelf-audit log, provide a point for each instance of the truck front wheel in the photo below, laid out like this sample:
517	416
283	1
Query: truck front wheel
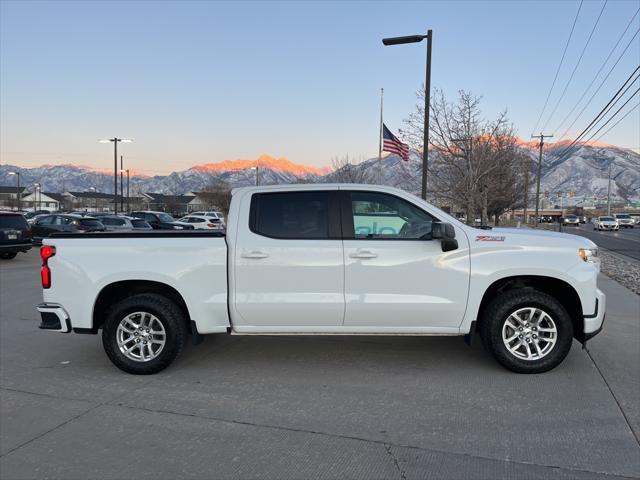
144	333
527	331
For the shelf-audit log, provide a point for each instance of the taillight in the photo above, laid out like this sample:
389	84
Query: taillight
210	225
46	252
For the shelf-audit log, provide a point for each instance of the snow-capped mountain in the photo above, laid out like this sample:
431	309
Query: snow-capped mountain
585	172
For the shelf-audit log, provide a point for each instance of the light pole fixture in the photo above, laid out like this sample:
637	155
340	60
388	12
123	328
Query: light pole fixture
115	141
257	169
127	172
17	174
93	189
427	97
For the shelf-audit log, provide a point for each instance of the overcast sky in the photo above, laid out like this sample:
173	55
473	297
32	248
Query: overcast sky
197	81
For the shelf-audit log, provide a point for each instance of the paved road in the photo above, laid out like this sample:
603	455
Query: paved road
626	241
313	407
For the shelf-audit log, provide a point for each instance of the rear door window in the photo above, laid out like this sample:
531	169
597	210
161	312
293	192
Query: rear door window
291	215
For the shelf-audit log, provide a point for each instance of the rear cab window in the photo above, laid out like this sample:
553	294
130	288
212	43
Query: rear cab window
293	215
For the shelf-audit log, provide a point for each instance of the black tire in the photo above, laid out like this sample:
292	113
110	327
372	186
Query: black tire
166	312
499	311
8	255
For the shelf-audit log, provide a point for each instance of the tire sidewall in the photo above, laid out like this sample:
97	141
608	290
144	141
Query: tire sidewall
500	310
167	313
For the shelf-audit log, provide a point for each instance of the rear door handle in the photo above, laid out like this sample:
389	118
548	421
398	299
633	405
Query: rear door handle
254	254
363	254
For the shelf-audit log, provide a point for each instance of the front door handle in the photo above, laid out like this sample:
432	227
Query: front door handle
363	254
254	254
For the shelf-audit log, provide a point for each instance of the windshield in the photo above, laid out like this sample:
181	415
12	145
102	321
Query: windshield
163	217
571	216
622	215
607	219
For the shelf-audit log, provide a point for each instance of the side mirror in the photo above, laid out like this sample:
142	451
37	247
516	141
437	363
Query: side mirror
446	234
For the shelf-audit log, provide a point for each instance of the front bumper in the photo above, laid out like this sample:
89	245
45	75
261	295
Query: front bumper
54	317
593	322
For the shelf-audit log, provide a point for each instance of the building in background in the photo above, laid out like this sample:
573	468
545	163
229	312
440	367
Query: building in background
9	197
43	201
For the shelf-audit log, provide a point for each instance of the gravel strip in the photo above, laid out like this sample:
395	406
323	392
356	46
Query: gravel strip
623	270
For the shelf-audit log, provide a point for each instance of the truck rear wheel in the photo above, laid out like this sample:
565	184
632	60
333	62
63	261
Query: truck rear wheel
527	331
144	333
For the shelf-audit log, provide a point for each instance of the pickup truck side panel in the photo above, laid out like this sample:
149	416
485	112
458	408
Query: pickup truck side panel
195	267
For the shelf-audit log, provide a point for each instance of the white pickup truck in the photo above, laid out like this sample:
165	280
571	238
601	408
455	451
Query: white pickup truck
325	260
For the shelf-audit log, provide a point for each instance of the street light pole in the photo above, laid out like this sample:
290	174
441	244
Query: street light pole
121	186
17	174
427	98
36	203
115	141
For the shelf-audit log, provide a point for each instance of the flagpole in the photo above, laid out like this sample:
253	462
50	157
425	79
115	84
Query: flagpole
380	139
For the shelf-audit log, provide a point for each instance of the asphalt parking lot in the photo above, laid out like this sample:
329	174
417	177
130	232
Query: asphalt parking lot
313	407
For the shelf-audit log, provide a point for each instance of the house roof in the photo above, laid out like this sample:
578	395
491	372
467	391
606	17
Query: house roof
108	196
7	189
58	197
162	198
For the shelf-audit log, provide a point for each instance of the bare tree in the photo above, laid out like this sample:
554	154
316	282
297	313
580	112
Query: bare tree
345	170
475	164
218	195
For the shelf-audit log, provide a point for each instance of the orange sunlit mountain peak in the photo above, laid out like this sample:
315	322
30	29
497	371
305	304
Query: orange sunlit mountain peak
263	161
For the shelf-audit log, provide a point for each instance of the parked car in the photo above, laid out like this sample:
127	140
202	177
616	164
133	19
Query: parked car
571	220
123	223
33	213
624	220
201	222
15	235
161	220
314	259
48	224
211	213
605	223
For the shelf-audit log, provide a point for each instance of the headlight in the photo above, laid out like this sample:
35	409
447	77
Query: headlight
589	255
177	227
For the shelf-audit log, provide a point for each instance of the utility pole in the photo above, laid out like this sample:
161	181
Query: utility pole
541	144
609	191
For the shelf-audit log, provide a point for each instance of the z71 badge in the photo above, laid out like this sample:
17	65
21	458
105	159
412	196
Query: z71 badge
489	238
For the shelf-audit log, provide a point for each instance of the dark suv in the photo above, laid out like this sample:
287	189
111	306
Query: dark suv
161	220
15	235
45	226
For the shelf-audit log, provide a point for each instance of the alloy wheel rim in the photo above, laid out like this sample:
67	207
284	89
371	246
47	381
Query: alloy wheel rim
529	333
141	336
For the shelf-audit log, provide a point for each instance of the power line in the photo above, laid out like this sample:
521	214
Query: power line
559	66
614	115
613	99
621	119
600	70
600	86
555	108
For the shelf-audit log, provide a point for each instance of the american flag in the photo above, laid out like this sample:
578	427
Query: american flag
393	145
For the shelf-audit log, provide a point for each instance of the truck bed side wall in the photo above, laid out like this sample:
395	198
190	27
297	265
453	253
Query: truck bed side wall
195	267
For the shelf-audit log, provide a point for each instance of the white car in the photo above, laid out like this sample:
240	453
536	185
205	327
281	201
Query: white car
201	222
605	223
326	259
624	220
571	220
213	213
